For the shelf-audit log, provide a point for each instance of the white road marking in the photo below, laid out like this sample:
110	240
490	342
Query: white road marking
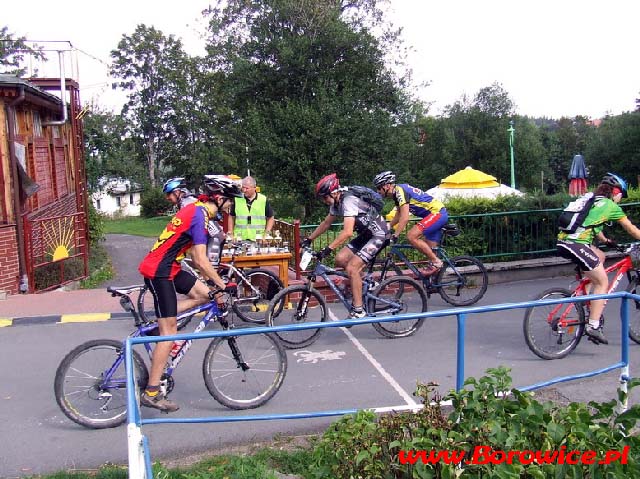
394	384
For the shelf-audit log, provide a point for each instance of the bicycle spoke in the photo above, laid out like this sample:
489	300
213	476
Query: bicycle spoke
244	372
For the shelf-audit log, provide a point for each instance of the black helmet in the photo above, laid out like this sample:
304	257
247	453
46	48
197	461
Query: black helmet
327	185
221	185
177	183
384	178
616	182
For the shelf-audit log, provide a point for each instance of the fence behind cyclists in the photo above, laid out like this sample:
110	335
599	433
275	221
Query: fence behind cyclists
138	447
502	236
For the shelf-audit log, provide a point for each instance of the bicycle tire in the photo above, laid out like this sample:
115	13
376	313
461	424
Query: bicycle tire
252	307
398	295
251	386
147	312
294	305
634	311
462	281
543	337
78	389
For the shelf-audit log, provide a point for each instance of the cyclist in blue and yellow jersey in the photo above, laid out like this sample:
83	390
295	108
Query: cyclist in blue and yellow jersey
427	233
161	270
579	247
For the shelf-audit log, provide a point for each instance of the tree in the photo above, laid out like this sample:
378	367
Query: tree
150	66
13	51
614	147
109	148
309	89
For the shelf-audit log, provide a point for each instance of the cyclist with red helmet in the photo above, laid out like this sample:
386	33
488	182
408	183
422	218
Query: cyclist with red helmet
161	267
579	247
427	233
360	217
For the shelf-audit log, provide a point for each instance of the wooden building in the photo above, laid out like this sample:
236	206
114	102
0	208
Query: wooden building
43	192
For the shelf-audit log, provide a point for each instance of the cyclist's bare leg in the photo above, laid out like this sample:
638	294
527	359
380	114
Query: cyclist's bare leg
419	242
354	270
600	285
344	259
167	326
198	294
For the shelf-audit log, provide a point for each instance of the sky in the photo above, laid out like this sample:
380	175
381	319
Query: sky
554	58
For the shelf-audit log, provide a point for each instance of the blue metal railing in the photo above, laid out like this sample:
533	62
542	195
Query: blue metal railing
139	457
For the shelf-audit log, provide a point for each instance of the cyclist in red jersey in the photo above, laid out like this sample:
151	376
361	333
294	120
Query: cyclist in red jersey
186	230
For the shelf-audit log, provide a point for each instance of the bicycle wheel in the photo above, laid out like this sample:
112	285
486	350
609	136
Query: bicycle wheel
552	331
398	295
244	372
462	281
147	310
295	305
254	295
634	311
90	383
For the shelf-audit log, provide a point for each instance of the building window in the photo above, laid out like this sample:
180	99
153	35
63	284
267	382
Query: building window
118	201
98	205
37	124
131	198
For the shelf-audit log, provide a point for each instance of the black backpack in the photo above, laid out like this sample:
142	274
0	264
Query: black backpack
575	213
367	194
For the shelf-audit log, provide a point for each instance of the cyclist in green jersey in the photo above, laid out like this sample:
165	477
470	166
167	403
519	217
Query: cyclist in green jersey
579	247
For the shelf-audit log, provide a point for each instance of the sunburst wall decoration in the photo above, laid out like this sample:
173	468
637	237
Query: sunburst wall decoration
57	237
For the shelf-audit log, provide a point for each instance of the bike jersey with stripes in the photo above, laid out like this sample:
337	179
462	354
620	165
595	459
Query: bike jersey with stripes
421	204
367	218
187	228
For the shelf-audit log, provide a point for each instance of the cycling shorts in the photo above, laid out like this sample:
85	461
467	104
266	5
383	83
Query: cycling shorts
367	245
579	253
431	225
164	297
184	281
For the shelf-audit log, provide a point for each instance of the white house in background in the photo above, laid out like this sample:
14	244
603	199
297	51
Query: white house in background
117	197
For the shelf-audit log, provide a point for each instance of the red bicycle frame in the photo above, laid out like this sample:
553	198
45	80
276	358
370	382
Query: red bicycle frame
621	268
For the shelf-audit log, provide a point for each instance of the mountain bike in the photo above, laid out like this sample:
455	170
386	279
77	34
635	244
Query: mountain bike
240	372
256	287
303	303
552	331
461	281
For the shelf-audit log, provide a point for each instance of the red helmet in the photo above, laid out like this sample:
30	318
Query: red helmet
327	185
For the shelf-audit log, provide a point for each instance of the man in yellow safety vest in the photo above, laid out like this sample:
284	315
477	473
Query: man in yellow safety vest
252	213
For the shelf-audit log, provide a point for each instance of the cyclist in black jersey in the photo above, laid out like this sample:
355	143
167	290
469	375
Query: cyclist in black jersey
359	216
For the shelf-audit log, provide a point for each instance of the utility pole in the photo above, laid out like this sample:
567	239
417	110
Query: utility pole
511	131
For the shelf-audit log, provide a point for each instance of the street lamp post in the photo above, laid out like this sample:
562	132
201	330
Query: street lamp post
511	131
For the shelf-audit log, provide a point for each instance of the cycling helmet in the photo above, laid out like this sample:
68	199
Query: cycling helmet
384	178
221	185
616	182
327	185
173	184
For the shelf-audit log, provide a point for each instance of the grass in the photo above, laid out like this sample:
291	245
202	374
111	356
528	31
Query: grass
254	464
150	227
100	269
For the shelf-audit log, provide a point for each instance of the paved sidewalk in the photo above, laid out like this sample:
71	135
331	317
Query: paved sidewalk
82	305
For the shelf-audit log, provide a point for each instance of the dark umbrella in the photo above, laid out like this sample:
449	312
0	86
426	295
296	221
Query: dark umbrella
577	176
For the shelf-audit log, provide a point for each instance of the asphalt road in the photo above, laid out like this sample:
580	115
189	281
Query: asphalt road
354	368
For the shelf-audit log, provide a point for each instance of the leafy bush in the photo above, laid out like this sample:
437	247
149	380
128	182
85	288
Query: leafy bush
96	225
359	446
153	203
